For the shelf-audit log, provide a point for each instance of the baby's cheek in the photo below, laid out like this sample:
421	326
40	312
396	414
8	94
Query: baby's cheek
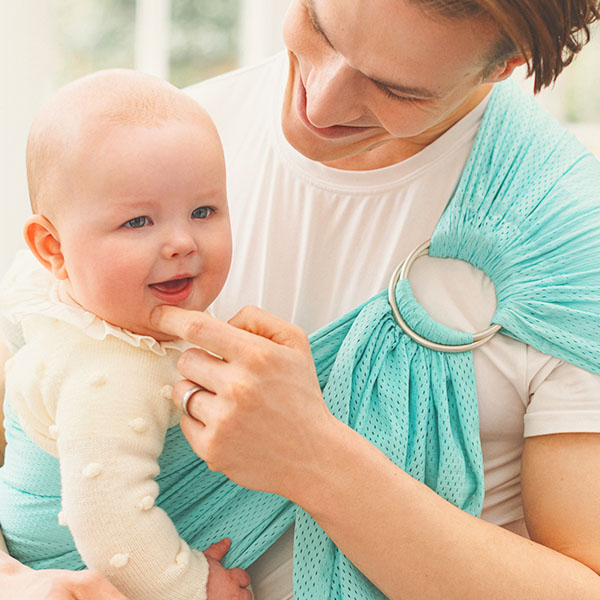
115	292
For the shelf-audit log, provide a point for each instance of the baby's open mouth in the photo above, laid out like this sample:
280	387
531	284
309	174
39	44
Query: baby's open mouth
173	286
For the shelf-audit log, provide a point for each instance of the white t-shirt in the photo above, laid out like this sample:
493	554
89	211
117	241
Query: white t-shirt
312	242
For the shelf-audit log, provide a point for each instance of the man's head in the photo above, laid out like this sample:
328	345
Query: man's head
127	183
372	81
548	33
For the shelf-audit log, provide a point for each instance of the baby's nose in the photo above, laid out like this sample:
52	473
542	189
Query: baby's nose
179	243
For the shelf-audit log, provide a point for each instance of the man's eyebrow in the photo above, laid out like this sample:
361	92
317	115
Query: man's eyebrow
418	92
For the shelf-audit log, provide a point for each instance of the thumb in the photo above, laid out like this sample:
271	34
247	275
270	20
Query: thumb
218	550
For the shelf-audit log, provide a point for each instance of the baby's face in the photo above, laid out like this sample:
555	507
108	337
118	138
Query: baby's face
146	222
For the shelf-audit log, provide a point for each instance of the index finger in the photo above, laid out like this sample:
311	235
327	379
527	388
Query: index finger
201	329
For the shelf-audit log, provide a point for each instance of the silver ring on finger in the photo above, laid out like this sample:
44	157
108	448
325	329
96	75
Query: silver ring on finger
187	397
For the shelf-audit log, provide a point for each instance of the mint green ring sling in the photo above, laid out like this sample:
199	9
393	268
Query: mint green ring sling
527	212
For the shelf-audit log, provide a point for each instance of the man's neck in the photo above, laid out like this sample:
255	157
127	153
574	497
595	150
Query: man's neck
397	150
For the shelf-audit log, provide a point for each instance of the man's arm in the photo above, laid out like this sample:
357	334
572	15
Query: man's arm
414	544
19	581
560	490
266	426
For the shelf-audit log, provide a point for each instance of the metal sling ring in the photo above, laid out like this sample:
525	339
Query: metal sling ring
401	272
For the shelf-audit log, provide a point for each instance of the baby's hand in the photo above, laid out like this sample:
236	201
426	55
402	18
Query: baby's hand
225	584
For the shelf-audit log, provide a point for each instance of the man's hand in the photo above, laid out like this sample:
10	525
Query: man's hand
29	584
261	417
225	584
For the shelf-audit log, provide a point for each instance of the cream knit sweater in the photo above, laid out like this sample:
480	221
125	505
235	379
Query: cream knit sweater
98	398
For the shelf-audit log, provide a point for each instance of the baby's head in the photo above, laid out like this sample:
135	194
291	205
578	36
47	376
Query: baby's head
127	184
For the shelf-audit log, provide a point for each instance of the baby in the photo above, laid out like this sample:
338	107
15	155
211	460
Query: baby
127	184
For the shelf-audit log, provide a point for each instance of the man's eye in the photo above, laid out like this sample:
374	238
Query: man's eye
137	222
202	212
393	96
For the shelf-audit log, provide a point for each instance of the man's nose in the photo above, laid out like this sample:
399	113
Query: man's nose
333	93
178	242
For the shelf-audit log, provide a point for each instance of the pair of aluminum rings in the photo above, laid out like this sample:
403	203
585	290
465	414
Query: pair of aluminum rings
401	272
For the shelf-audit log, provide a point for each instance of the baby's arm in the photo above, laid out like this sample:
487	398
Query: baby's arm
111	420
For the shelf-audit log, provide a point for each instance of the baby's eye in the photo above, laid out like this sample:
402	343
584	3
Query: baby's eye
138	222
202	212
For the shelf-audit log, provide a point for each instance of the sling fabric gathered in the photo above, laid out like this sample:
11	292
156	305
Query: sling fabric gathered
526	212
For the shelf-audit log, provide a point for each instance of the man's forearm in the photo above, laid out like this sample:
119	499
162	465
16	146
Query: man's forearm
413	544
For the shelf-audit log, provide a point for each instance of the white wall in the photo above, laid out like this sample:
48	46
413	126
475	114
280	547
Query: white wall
260	29
27	74
152	37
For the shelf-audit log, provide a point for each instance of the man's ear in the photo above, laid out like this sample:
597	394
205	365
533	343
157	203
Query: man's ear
42	238
504	69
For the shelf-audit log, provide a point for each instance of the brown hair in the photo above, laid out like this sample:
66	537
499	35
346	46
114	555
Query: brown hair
548	33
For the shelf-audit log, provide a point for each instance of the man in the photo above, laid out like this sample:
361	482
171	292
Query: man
380	111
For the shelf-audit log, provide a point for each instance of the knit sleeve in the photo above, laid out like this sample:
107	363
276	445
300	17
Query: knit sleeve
112	413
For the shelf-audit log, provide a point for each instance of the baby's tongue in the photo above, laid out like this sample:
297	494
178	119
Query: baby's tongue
175	285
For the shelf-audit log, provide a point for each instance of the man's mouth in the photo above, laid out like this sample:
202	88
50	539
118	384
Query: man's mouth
173	291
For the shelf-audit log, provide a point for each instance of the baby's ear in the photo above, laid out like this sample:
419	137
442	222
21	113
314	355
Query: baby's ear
42	238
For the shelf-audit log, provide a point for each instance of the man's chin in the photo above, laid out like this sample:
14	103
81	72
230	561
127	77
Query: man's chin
313	147
348	155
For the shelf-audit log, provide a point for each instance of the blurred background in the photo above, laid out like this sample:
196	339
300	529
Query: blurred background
45	44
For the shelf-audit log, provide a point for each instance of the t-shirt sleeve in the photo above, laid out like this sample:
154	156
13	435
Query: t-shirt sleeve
563	398
110	426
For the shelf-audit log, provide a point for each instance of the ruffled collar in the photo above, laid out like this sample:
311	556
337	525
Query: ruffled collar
28	289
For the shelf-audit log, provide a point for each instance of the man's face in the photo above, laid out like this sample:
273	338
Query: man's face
147	222
368	77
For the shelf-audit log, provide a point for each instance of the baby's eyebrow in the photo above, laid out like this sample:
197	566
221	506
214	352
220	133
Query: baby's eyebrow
408	90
